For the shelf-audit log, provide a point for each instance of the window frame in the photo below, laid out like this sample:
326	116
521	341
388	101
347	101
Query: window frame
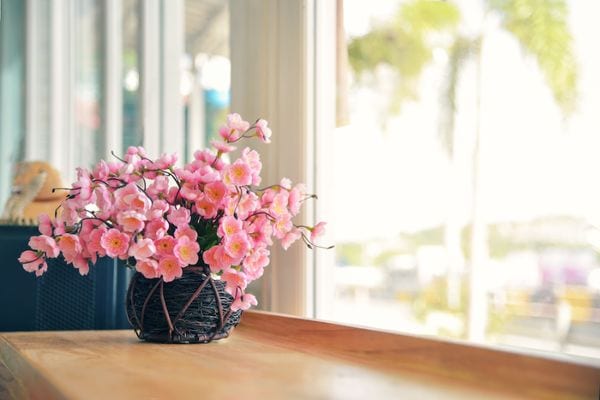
288	50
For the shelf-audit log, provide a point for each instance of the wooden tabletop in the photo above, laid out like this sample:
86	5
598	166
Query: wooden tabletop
277	357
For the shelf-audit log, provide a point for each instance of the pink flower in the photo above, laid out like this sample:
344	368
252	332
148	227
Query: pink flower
217	259
148	268
124	195
235	122
101	170
234	281
130	198
283	225
237	245
260	231
170	268
104	202
43	268
70	213
156	228
142	249
158	209
179	216
238	174
165	161
115	243
206	208
187	175
131	221
133	158
159	186
234	128
215	192
84	184
244	302
252	158
82	264
140	203
290	238
32	262
247	204
207	158
207	174
285	183
186	231
280	202
294	201
45	225
136	150
172	194
59	225
210	259
189	191
317	231
224	148
267	197
70	246
45	244
228	226
95	237
165	245
255	262
263	131
231	203
186	251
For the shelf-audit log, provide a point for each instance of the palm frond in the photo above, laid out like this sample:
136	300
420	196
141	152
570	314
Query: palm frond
541	27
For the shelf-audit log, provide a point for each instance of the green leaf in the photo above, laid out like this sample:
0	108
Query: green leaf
541	27
404	44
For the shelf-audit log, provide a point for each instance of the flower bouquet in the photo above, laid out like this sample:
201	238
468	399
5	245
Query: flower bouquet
196	236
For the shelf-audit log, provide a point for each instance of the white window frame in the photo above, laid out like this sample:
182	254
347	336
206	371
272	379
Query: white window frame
161	105
113	70
161	47
283	70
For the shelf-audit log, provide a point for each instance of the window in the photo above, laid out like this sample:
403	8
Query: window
82	78
12	77
459	184
464	170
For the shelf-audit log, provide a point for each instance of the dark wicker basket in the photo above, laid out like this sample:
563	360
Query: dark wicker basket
192	309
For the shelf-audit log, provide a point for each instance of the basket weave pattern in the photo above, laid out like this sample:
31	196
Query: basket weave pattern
192	309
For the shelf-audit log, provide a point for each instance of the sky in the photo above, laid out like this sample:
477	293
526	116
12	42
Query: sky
534	161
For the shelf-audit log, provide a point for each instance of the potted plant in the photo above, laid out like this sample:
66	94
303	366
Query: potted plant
196	235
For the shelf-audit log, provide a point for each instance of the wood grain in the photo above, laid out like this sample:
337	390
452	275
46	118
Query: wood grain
277	357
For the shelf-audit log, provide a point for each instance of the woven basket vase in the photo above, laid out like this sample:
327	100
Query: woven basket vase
192	309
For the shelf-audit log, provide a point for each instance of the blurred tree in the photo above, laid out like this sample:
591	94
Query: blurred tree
405	45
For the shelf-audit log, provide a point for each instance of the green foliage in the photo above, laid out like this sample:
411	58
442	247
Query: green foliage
503	241
424	237
541	28
207	231
404	43
350	253
434	297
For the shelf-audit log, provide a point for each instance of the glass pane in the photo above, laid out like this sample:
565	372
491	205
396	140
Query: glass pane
12	86
87	85
132	134
466	202
206	70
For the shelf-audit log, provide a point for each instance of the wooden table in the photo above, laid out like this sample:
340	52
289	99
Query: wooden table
277	357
